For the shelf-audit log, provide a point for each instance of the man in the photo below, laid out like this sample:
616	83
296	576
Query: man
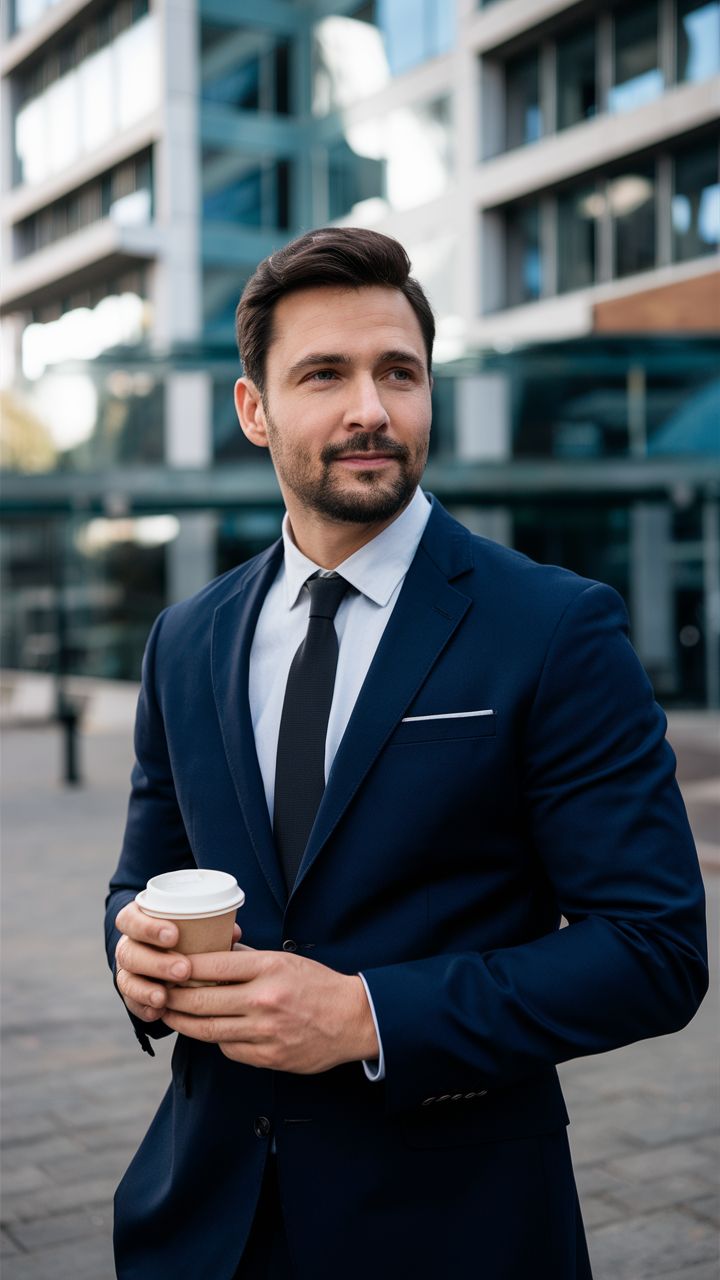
417	751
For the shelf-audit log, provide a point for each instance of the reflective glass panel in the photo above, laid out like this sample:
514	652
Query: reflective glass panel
237	190
631	200
523	260
577	220
576	78
396	161
523	116
696	203
637	76
698	39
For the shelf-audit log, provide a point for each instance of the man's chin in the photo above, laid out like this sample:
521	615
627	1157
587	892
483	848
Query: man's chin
374	499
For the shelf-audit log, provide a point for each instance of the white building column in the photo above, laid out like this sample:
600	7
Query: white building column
484	434
191	557
651	592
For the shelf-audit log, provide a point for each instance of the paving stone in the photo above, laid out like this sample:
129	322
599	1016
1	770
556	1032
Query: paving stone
644	1248
642	1196
7	1246
39	1151
60	1228
596	1211
25	1177
707	1207
705	1271
18	1128
90	1259
679	1158
59	1199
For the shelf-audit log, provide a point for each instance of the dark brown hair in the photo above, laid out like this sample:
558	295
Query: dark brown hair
349	256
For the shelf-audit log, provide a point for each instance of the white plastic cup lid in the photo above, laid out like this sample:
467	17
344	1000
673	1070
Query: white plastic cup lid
189	894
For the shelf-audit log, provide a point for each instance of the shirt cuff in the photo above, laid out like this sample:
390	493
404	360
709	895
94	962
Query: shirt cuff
374	1069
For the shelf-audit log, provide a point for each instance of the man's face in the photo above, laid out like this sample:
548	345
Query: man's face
346	408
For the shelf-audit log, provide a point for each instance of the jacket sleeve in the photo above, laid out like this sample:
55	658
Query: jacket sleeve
608	823
155	837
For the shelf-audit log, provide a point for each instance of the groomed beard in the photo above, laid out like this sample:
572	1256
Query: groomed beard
379	499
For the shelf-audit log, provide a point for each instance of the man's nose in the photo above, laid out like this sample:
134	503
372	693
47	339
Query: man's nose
365	409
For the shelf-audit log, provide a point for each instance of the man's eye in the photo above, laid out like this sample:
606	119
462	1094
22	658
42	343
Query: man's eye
402	375
323	375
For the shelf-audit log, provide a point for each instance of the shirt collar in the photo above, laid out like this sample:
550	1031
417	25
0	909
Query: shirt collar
377	568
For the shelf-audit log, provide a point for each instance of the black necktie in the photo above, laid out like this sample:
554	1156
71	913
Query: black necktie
300	769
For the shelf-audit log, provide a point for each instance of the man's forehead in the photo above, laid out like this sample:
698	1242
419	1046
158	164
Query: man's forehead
342	316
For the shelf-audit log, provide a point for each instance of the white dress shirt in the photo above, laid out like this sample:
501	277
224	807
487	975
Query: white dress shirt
377	572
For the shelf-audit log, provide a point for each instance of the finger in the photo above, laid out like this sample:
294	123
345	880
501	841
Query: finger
143	1011
237	933
167	966
143	928
209	1030
141	992
238	965
207	1002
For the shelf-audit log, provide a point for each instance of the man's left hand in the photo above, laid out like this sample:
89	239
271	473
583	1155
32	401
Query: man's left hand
275	1010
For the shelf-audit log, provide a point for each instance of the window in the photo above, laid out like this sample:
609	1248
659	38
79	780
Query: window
577	211
698	39
631	203
637	76
244	194
522	99
523	260
696	203
576	78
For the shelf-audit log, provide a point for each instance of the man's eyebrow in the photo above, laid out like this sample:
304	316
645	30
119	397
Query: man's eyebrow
400	356
316	358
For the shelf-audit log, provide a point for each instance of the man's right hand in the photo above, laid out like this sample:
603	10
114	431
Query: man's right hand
145	961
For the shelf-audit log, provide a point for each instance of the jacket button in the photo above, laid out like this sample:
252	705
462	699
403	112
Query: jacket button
289	945
262	1127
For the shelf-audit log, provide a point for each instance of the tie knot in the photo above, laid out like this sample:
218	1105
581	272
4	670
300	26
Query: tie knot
325	595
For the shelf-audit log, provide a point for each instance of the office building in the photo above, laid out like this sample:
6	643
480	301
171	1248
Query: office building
552	169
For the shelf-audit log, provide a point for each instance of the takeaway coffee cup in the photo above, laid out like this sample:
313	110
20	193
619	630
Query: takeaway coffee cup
202	903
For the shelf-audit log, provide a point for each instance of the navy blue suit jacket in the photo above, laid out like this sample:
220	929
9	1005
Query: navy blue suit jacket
444	854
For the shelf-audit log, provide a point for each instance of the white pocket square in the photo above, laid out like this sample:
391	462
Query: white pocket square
449	715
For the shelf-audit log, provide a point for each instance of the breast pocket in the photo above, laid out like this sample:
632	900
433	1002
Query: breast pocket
444	728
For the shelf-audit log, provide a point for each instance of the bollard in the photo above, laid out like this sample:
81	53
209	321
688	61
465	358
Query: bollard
68	718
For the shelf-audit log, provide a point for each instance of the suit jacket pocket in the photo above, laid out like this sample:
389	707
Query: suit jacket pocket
443	729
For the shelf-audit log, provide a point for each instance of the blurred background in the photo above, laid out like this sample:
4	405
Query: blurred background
552	169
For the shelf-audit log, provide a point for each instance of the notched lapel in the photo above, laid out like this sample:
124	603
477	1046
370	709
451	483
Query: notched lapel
233	629
427	613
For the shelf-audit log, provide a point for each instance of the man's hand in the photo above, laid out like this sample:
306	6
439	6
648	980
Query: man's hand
276	1010
146	961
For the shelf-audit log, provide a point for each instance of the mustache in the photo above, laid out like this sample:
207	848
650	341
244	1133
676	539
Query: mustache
365	442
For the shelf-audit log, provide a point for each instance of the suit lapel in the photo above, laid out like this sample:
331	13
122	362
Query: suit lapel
426	614
233	629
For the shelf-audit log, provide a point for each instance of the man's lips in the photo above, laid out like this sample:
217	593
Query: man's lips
364	461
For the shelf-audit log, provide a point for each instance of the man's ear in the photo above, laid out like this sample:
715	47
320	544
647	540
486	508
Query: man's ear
250	412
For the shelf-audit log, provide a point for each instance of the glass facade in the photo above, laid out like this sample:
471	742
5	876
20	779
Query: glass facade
637	77
697	39
576	62
696	203
524	264
577	210
124	194
358	52
66	114
631	198
523	118
396	161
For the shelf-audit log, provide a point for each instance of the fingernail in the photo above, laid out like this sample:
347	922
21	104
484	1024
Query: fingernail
166	935
179	970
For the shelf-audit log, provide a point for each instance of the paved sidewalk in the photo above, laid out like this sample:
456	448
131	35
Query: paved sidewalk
78	1093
